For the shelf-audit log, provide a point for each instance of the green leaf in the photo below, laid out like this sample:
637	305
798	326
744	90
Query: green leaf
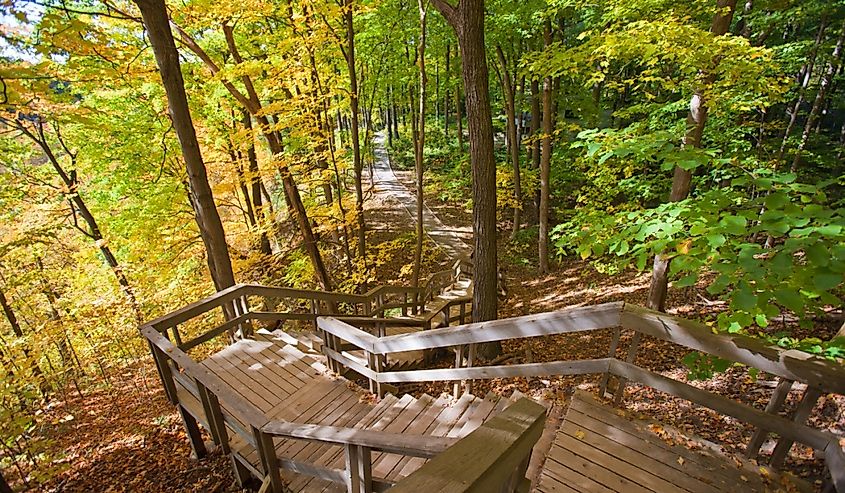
734	225
827	280
790	299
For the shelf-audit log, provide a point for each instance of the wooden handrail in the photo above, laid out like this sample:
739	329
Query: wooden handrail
491	458
551	323
394	443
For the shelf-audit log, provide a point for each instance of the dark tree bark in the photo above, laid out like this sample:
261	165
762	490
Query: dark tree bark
804	76
681	179
545	162
821	95
156	21
18	331
256	186
509	90
467	19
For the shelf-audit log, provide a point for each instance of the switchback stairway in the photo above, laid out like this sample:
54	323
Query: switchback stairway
275	402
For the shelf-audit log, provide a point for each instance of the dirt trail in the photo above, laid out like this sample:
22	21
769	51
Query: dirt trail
387	188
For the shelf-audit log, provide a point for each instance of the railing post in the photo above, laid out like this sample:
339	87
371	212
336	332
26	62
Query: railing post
269	462
632	355
177	336
314	311
374	362
192	429
808	402
359	473
214	416
774	405
164	373
459	357
470	363
614	343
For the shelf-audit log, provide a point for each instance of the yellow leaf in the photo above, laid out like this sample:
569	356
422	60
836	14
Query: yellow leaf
580	435
681	460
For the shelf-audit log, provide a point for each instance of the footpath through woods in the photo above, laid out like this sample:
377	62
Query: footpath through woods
387	188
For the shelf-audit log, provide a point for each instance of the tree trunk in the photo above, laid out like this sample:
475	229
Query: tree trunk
545	163
824	86
16	329
253	105
255	184
805	75
513	140
419	144
80	209
154	14
681	179
356	143
459	119
467	19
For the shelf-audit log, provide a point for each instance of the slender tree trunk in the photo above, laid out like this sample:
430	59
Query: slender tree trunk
805	75
356	143
682	178
468	21
256	186
154	14
16	329
545	162
513	140
419	143
253	105
459	119
824	86
80	209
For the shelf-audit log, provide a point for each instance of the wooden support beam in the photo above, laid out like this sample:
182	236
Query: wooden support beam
192	430
164	373
241	472
614	343
775	403
214	417
632	355
269	462
808	402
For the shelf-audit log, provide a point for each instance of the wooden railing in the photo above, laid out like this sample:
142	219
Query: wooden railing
223	410
820	375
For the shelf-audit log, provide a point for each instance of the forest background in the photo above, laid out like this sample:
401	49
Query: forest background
700	140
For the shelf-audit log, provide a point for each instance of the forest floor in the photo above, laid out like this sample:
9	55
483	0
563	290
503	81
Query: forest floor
128	438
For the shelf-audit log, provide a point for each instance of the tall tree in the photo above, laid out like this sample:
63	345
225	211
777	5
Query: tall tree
545	161
358	164
419	142
508	79
467	19
681	179
157	23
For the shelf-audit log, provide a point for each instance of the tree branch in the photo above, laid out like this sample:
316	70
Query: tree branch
448	11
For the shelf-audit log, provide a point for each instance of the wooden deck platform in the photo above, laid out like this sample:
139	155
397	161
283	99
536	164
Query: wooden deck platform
287	384
601	449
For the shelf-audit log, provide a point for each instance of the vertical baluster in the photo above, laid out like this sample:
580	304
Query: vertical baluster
214	417
632	355
470	363
164	373
359	478
246	327
177	337
614	343
269	462
459	358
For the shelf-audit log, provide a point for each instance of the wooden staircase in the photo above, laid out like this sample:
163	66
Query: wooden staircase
288	384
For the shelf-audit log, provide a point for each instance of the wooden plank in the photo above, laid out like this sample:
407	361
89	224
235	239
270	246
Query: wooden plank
694	468
835	460
240	382
590	465
276	389
783	427
420	426
720	472
444	423
779	395
484	459
399	426
570	474
634	465
575	367
794	365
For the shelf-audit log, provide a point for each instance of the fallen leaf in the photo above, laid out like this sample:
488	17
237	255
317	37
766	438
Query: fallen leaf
580	435
681	460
